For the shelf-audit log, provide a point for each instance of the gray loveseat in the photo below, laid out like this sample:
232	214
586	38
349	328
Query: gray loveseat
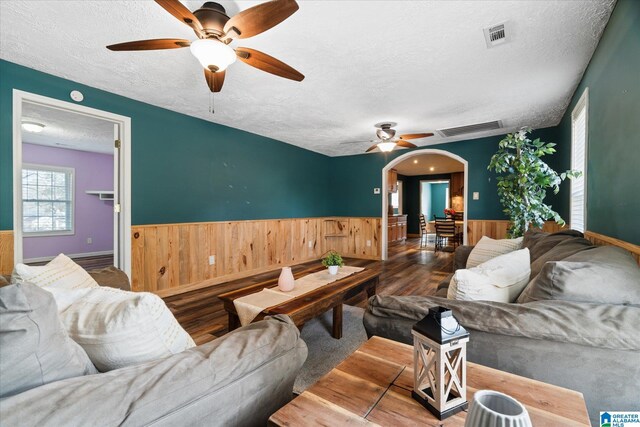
551	336
237	380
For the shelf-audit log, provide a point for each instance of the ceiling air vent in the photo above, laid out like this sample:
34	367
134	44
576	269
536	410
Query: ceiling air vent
496	34
478	127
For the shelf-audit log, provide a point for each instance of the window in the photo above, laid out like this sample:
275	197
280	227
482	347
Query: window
579	135
396	198
47	200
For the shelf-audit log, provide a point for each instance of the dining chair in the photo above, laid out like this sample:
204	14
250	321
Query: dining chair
423	231
445	233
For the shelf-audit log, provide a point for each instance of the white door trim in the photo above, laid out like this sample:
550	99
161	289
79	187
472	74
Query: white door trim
385	194
19	97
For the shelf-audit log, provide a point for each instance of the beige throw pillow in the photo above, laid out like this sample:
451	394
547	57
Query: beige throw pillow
118	328
500	279
59	273
488	248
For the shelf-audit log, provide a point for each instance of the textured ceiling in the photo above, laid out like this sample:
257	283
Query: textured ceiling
428	164
65	129
423	64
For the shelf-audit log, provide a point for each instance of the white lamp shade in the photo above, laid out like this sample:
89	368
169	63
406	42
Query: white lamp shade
386	146
213	52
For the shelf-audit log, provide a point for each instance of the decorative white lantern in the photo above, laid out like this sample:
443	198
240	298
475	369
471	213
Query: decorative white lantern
440	363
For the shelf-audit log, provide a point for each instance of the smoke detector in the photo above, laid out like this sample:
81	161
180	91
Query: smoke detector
496	34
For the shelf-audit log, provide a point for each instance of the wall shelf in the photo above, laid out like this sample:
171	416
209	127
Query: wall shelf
102	194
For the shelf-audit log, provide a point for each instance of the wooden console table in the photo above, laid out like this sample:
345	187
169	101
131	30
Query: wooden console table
373	387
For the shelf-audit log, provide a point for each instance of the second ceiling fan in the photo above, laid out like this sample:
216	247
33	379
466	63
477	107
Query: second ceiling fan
386	134
215	30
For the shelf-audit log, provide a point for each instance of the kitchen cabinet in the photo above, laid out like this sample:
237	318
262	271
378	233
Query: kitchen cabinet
396	228
392	181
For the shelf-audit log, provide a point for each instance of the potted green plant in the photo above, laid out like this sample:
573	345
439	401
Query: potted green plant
523	181
333	261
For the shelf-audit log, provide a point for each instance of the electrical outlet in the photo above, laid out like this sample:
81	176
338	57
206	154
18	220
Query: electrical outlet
212	259
476	195
89	240
310	244
368	243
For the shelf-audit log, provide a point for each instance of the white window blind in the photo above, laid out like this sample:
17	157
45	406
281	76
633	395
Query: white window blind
579	133
47	200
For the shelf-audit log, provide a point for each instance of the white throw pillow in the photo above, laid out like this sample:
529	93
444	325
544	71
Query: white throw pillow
500	279
60	273
118	328
488	248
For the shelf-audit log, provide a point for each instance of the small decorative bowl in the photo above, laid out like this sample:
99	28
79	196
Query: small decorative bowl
494	409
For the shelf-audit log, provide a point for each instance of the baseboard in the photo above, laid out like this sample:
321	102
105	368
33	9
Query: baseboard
72	256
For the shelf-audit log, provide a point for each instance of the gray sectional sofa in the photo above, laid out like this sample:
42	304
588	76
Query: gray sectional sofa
239	379
576	325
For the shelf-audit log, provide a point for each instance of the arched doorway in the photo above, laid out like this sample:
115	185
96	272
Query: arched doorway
385	186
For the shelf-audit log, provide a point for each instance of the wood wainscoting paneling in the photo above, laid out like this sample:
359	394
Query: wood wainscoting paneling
168	259
6	251
497	229
602	240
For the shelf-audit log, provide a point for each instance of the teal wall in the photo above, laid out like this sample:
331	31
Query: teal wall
184	169
356	176
438	200
613	165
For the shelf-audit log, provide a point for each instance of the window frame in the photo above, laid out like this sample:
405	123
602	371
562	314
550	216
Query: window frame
50	168
399	193
582	104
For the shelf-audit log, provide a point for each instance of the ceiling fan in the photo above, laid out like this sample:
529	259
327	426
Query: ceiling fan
387	140
215	30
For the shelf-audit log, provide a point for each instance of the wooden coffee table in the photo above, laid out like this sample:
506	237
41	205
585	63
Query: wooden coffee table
373	387
312	304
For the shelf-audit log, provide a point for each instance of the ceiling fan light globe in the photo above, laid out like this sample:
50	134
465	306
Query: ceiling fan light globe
213	53
386	147
34	127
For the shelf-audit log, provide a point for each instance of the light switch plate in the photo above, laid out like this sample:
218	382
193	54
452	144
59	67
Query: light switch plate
212	260
476	195
310	244
368	243
376	190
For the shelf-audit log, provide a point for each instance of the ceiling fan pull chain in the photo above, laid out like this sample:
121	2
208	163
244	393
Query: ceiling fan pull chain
211	104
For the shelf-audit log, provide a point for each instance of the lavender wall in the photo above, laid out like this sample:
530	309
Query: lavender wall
93	217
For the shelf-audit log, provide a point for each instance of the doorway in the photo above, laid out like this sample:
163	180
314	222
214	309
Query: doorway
72	175
412	168
434	198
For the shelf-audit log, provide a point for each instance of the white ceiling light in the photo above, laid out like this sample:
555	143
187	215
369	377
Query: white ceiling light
213	54
386	147
33	127
432	168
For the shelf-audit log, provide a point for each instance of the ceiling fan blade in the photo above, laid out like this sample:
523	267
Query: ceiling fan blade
406	144
154	44
415	135
214	80
260	18
183	14
267	63
373	147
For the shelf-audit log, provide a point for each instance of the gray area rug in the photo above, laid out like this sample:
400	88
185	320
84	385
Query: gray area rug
326	352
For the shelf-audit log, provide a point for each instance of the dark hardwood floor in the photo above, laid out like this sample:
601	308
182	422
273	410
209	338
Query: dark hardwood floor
88	263
408	271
